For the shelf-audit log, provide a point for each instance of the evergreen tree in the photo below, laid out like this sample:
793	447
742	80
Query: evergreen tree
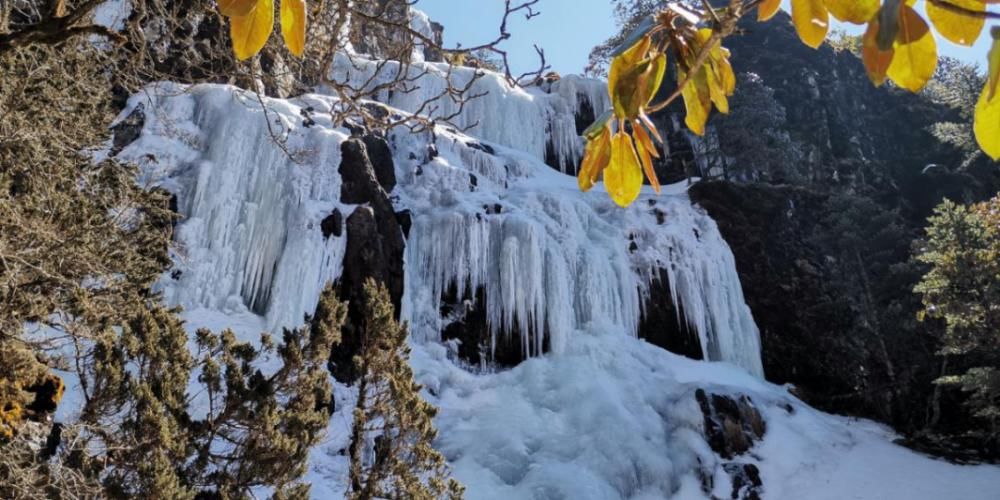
391	448
252	429
957	84
962	288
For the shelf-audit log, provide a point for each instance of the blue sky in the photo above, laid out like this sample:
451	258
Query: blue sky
568	29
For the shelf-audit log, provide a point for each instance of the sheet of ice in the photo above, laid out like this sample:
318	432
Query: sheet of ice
552	259
249	234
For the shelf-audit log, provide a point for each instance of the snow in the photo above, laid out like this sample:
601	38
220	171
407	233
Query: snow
614	417
527	119
603	414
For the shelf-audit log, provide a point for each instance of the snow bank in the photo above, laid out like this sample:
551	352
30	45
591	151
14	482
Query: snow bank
614	417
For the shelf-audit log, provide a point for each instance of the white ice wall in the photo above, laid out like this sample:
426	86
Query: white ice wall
551	261
249	236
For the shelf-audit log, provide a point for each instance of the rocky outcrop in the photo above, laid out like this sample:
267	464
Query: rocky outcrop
732	426
375	243
466	323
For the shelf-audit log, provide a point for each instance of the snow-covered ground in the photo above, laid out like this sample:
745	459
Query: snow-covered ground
604	414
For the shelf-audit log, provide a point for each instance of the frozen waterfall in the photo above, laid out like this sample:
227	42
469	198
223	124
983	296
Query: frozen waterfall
249	237
549	259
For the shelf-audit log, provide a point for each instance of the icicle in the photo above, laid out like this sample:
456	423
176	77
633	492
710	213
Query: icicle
704	282
249	234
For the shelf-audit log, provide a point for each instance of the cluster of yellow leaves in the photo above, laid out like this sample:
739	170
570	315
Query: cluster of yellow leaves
252	21
622	149
620	156
899	44
711	83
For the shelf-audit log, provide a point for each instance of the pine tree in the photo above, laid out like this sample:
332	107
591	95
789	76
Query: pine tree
963	289
391	449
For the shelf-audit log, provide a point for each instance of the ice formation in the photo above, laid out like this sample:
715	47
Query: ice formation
539	120
605	415
249	235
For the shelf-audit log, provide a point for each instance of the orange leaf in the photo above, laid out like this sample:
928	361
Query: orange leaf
651	127
915	57
293	25
642	137
876	61
230	8
250	32
595	159
647	167
623	176
811	20
767	9
955	26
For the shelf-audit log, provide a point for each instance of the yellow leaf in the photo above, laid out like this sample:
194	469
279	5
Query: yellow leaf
715	91
811	20
643	139
697	101
876	61
646	153
727	76
650	126
987	124
915	57
627	60
767	9
250	32
293	25
955	26
993	80
653	78
853	11
623	177
627	95
230	8
595	159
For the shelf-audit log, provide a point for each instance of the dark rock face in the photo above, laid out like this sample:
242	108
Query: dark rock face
381	158
374	248
818	332
732	425
128	130
663	325
746	481
333	224
467	324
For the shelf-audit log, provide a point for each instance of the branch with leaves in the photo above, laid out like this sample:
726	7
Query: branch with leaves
251	24
898	45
